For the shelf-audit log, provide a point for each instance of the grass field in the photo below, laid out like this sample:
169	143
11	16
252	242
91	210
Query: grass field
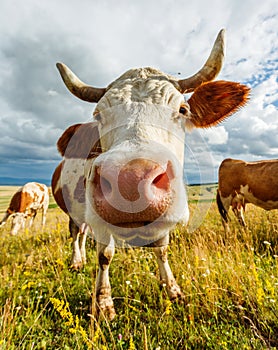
230	284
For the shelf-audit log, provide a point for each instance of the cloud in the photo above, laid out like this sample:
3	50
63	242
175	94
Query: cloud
252	133
100	40
216	136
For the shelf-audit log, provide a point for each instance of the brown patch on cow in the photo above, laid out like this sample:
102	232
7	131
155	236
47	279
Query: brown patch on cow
15	203
26	201
58	193
42	199
79	191
20	202
80	141
214	101
40	186
56	176
59	198
261	178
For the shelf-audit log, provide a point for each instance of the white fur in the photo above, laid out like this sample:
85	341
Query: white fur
73	169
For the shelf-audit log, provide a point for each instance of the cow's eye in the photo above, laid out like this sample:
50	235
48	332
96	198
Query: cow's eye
183	110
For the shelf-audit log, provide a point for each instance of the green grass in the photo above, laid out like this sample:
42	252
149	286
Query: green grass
230	285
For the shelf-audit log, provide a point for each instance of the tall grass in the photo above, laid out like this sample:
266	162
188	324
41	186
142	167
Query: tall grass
230	285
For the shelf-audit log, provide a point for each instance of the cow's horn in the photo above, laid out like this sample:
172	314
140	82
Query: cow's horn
210	69
77	87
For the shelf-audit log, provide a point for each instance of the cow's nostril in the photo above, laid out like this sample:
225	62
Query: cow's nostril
162	181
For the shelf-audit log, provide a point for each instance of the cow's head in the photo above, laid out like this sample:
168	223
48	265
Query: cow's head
18	222
134	188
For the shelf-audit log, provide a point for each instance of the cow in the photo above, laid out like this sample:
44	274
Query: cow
25	203
130	159
241	182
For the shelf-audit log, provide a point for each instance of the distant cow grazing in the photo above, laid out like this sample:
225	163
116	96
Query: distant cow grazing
123	174
242	182
25	203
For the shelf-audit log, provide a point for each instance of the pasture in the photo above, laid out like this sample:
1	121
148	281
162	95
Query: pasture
230	285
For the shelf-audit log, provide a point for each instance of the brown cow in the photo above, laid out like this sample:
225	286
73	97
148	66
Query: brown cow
25	203
242	182
131	159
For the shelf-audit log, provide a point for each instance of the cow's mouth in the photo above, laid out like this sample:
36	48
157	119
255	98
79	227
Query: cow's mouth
133	224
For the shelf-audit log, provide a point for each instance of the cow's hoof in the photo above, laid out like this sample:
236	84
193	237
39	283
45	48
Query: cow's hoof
77	266
178	297
175	293
105	308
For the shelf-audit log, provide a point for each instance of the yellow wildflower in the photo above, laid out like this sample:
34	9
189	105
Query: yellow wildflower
131	344
96	335
28	285
60	262
168	307
74	324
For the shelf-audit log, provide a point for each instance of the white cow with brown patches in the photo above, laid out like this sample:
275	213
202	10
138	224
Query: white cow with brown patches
131	159
243	182
25	203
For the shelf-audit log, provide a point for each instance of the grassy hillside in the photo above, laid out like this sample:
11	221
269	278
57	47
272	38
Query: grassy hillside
230	285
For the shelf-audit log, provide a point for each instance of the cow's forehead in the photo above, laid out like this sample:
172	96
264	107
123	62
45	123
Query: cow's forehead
142	85
145	73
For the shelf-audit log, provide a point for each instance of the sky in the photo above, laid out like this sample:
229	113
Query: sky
101	39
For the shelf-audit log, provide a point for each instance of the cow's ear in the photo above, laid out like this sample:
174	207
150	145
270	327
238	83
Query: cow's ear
65	138
214	101
80	141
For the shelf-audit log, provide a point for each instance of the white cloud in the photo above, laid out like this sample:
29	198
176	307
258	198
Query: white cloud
216	136
100	39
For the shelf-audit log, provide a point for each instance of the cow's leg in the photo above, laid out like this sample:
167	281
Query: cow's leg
44	210
82	241
30	222
76	259
224	204
166	274
104	302
238	211
32	217
23	225
4	220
